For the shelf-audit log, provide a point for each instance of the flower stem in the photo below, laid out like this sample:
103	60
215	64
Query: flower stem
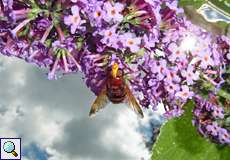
46	34
65	63
32	55
52	73
74	60
21	11
20	26
210	80
60	33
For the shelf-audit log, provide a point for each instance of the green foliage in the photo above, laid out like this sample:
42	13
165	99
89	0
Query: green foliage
48	42
223	5
179	140
33	13
32	3
25	31
195	3
210	88
220	5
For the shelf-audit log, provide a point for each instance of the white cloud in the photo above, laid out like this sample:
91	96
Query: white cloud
54	116
36	125
125	136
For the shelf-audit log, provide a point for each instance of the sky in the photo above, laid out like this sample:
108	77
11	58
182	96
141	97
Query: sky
52	119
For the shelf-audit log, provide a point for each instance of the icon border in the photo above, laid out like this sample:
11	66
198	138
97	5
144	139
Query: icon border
20	148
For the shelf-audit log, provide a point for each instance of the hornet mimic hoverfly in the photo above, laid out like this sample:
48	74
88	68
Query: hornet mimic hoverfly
116	91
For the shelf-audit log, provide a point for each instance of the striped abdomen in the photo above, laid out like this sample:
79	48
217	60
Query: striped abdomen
116	90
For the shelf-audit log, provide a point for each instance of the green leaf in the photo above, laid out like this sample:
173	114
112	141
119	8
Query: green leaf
179	140
79	43
221	92
33	3
25	31
33	13
132	19
195	3
196	11
56	18
130	58
3	18
48	43
221	5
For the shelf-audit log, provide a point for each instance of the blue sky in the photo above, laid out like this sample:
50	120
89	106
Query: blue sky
52	119
33	151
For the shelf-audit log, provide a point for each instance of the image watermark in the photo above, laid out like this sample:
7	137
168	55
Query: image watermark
10	148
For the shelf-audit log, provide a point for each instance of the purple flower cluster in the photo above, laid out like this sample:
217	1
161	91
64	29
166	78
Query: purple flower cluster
183	55
209	119
161	53
31	31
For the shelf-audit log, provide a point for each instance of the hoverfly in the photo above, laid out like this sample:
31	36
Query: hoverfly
116	91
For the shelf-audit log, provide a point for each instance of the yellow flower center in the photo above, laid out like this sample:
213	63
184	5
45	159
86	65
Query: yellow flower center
185	94
98	13
113	11
206	58
76	19
109	34
130	42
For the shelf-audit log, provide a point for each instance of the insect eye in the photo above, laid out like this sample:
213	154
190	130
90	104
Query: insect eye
131	9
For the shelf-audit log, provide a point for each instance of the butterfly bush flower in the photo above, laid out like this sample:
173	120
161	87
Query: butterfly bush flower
19	27
95	12
173	5
74	20
209	120
176	53
175	112
224	136
160	67
218	112
99	14
213	128
129	40
38	55
206	59
172	87
185	93
65	58
162	54
141	13
110	37
172	75
190	75
92	66
151	39
41	30
113	11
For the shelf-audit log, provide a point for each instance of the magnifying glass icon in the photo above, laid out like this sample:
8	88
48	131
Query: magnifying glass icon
9	147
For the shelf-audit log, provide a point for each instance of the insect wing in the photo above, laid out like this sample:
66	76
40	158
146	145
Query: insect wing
100	102
131	100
